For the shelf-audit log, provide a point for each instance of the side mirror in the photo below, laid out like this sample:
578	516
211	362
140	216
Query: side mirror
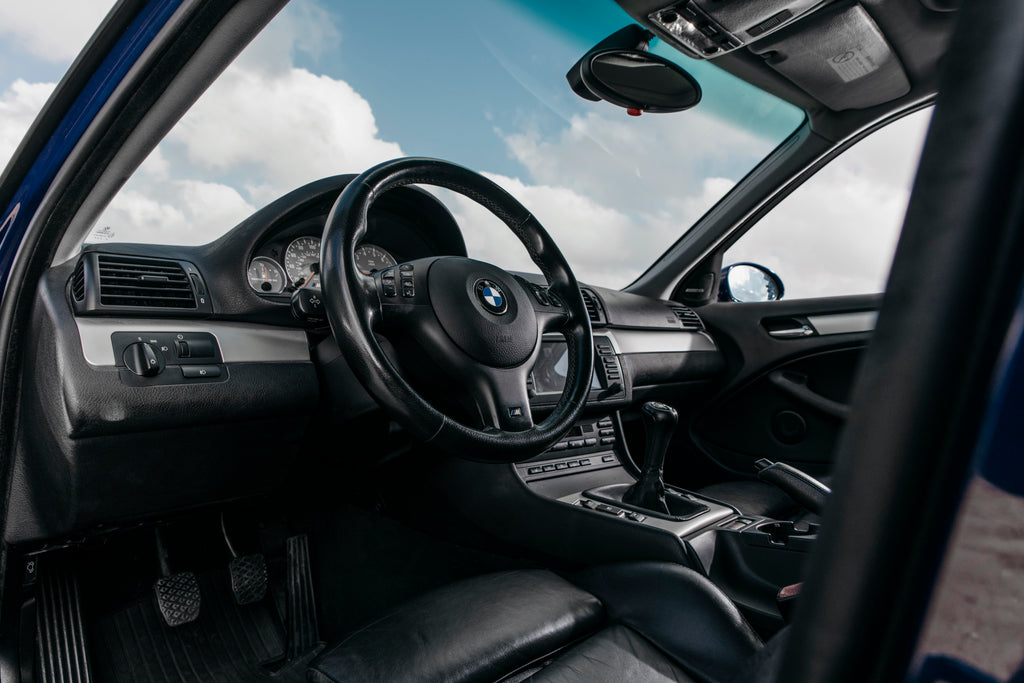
619	70
748	283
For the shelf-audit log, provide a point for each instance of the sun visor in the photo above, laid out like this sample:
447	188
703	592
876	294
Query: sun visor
840	57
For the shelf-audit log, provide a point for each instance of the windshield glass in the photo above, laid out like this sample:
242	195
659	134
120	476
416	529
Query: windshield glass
336	88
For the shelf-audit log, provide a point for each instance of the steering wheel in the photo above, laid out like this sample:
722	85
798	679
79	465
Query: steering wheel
475	322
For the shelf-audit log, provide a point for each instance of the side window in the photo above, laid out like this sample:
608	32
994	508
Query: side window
836	234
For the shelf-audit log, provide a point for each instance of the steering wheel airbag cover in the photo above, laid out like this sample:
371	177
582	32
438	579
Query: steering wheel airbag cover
501	336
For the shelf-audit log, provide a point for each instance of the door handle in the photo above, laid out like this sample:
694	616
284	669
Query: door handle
793	332
795	386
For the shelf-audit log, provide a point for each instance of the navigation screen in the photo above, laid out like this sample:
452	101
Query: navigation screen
552	365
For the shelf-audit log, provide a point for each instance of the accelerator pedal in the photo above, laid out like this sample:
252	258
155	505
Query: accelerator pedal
60	634
303	631
177	595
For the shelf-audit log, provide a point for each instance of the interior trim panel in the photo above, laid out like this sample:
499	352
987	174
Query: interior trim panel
844	323
239	342
673	341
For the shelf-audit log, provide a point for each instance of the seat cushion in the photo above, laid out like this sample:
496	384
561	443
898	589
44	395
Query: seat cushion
480	629
678	610
650	621
614	655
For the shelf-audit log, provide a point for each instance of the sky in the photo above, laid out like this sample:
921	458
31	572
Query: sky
330	89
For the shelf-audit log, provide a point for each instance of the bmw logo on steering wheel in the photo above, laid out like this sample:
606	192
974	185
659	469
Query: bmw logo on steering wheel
491	297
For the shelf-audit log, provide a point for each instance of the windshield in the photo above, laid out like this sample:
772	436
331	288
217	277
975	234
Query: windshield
330	89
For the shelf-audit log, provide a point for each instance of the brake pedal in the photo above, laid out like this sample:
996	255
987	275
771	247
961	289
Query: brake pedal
177	595
178	598
248	573
248	578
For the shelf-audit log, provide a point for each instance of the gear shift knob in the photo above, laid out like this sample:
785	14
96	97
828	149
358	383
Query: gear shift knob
649	492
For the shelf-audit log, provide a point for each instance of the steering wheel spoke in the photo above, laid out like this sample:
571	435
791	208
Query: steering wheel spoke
503	400
402	293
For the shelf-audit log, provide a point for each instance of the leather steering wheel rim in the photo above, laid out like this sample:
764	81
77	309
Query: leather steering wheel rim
355	309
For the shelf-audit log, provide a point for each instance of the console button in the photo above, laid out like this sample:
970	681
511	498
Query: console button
576	443
607	509
573	463
561	466
607	440
549	468
607	432
533	470
608	458
635	516
590	442
584	462
560	446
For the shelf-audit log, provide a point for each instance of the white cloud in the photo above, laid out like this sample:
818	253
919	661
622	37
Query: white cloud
49	31
181	212
299	128
836	234
19	106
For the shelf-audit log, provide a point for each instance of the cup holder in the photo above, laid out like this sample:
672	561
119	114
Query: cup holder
779	533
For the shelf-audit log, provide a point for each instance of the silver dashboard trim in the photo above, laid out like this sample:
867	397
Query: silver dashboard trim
669	341
844	323
239	342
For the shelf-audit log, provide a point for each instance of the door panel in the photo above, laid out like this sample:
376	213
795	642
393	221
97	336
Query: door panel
791	365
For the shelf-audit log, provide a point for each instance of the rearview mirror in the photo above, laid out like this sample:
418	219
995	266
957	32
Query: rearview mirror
749	283
619	70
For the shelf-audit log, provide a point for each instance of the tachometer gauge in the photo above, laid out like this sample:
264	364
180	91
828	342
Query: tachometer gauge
302	261
371	258
266	276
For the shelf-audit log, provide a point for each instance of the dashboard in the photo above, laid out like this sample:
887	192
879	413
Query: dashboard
168	377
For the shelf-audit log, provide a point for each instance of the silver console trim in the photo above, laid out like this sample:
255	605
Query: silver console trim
715	513
239	342
844	323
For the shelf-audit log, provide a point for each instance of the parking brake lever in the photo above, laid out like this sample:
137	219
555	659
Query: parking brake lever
800	486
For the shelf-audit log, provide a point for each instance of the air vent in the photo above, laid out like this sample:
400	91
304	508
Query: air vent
78	282
143	282
688	317
594	308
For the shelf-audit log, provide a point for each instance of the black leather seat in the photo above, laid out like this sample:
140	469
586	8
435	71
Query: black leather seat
630	622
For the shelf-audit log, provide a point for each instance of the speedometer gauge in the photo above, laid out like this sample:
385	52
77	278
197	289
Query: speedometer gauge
371	258
266	276
302	261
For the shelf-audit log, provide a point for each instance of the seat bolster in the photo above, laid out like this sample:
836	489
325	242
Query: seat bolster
474	630
678	610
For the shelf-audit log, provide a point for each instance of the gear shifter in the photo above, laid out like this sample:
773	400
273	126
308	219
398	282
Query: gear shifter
649	491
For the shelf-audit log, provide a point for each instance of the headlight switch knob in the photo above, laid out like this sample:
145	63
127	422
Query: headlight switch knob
142	359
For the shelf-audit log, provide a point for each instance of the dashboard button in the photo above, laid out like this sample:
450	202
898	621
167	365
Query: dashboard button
590	442
576	443
200	371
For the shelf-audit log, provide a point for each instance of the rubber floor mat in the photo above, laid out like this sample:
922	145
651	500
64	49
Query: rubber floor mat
228	643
